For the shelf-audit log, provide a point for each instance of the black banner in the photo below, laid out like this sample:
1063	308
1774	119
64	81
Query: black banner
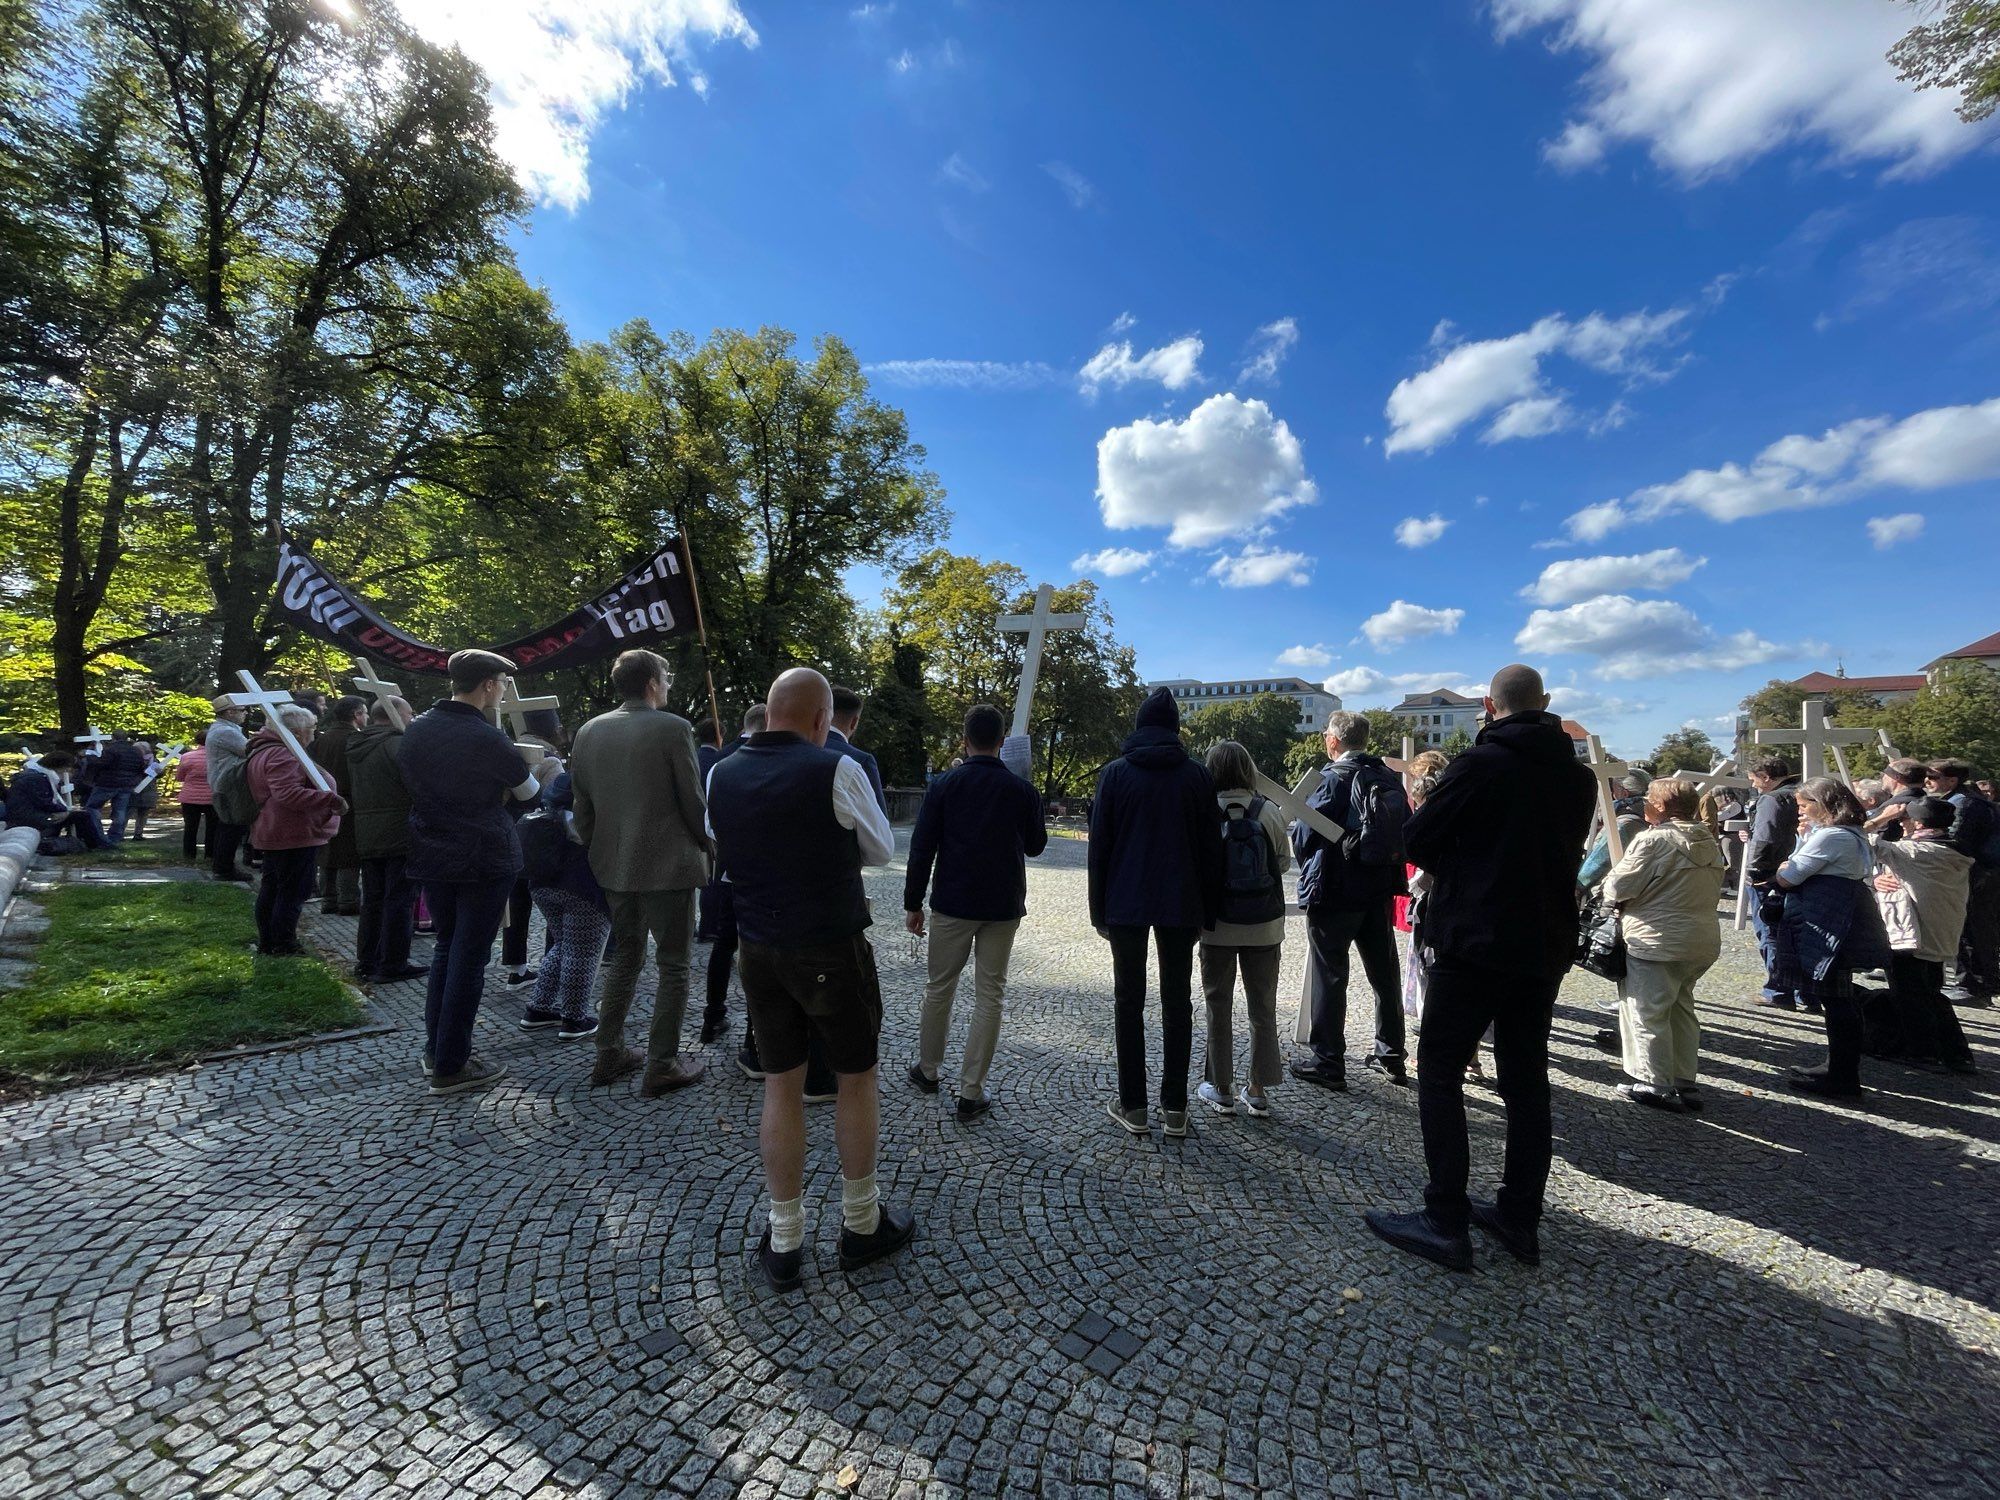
653	602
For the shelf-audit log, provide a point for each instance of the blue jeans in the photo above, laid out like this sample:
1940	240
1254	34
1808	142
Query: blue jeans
121	808
465	915
1767	944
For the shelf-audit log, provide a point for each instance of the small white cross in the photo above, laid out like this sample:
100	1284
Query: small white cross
1292	802
1036	624
385	693
1607	771
166	755
97	739
272	703
1724	774
1815	737
515	709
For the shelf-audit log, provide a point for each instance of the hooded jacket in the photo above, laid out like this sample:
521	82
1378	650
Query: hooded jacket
381	803
1333	875
1666	889
1925	916
1501	834
1155	843
292	813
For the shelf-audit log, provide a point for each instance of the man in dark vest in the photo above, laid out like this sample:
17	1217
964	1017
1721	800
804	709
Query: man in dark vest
794	823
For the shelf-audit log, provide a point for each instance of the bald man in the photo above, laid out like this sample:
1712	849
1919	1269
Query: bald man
794	823
1500	836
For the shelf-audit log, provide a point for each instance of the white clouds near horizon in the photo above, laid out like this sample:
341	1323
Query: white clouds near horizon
1364	682
1403	622
554	73
1222	471
1633	639
1586	577
1305	658
1707	86
1935	449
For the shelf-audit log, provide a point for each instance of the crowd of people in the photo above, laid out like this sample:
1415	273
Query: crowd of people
647	830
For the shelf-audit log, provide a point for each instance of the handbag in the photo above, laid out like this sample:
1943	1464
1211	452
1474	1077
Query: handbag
1600	942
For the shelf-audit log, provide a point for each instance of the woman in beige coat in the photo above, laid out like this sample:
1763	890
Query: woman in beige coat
1666	888
1252	947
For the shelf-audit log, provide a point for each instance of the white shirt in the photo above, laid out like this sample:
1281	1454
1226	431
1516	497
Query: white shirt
854	806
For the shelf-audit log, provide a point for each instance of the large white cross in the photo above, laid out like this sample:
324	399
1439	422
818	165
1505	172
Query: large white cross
272	703
1607	771
97	739
384	693
1815	737
1292	802
1036	624
1724	774
515	709
166	755
1733	827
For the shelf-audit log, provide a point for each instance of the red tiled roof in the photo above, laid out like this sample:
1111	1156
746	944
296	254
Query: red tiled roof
1827	682
1985	646
1575	730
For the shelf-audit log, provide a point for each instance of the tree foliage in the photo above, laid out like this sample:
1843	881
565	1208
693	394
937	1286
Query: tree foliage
1685	749
1958	49
1265	724
1956	714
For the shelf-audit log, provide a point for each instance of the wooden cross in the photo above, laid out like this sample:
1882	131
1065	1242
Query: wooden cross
1292	802
272	703
1607	771
166	755
515	709
384	693
97	739
1814	737
1036	624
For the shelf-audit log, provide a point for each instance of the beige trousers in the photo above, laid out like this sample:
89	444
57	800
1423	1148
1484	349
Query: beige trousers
1260	997
1657	1023
952	941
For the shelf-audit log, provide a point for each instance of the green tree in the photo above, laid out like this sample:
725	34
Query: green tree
1265	724
1306	752
1959	50
1456	744
1956	713
1685	749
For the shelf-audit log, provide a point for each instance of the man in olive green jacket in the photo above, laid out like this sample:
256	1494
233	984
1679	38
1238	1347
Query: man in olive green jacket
640	813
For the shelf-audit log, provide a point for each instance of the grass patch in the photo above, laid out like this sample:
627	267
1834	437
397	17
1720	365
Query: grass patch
136	975
151	854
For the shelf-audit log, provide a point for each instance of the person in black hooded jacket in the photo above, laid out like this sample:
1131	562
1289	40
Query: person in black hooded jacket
1500	836
1155	865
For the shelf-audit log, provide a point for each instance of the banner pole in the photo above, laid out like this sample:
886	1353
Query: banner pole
701	629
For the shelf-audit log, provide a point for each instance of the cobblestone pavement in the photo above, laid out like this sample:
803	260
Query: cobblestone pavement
299	1274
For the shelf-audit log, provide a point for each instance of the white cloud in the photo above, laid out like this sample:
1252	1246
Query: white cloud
1305	658
964	374
1886	531
553	73
872	12
1709	85
1635	639
1256	566
1113	562
1585	577
1935	449
961	173
1122	322
1413	532
1402	622
903	62
1174	365
1369	682
1575	702
1268	348
1079	189
1222	471
1502	377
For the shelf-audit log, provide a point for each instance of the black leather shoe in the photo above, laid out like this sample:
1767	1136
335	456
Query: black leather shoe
1418	1235
858	1250
1523	1244
922	1080
713	1028
1815	1081
1606	1039
780	1269
1395	1072
972	1109
1319	1077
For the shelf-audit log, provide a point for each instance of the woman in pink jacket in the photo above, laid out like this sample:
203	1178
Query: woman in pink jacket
294	821
196	800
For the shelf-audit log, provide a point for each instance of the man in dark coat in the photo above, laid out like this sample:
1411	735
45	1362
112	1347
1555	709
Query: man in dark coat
1346	897
1975	833
1155	868
116	776
340	892
1774	833
1500	836
381	821
38	798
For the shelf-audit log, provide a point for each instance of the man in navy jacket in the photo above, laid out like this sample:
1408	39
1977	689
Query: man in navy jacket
846	720
979	825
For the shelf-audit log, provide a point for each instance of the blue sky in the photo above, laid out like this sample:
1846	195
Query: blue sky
1317	334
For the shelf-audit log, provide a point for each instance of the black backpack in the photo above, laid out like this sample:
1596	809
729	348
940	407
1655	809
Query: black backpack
1252	890
1377	810
545	847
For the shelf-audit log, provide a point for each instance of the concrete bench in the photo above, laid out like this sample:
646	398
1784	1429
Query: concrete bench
17	852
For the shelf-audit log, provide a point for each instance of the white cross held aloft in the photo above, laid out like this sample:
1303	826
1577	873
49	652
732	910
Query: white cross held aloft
274	704
1607	771
1723	774
166	755
97	739
1036	624
1815	737
1731	829
515	709
381	691
1291	801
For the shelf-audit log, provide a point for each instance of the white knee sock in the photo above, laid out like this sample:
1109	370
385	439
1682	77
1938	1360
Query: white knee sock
788	1224
860	1204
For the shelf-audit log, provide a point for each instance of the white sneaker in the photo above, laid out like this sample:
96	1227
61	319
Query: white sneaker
1216	1100
1258	1106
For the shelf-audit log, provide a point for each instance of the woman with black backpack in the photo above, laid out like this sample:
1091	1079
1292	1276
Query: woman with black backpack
557	870
1247	935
